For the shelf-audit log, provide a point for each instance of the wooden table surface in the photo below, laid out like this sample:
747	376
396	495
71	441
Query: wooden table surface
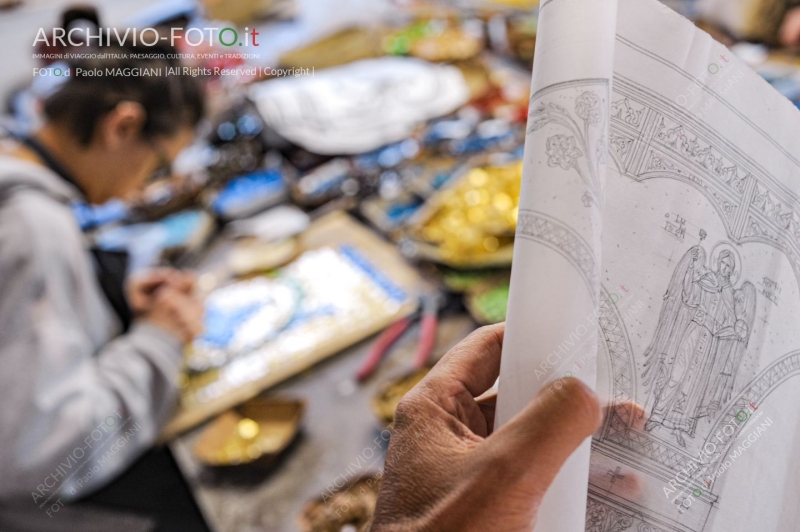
337	429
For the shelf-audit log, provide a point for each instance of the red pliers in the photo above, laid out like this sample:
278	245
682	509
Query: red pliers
428	314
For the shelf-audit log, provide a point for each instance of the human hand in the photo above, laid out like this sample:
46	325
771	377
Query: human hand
789	33
447	470
176	311
142	288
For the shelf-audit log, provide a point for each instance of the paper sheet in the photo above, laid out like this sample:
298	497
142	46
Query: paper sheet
671	278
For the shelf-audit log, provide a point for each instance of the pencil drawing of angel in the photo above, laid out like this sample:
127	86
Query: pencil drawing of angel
702	334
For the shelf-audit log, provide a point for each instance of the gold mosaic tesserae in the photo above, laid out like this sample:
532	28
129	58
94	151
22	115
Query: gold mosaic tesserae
473	222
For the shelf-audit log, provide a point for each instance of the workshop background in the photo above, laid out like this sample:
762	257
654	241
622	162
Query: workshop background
349	207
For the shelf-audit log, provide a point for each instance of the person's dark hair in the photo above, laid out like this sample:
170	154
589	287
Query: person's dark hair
170	101
76	13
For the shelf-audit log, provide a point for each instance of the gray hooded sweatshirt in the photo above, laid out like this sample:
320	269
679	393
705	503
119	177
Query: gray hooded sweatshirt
79	401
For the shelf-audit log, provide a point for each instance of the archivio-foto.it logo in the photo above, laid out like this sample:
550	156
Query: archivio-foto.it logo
147	37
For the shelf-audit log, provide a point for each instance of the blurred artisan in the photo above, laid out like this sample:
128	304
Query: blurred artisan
87	354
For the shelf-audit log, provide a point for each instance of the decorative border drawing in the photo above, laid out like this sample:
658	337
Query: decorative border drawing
732	108
604	518
620	354
652	138
603	515
538	227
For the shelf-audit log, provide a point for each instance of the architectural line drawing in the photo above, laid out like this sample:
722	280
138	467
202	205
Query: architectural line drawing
751	206
579	107
651	455
732	108
704	177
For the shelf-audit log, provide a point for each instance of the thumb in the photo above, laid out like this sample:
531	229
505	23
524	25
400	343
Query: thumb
534	445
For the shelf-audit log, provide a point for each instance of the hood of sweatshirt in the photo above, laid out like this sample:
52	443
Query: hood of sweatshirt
18	174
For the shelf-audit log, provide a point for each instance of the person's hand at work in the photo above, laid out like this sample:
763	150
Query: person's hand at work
447	470
142	287
164	298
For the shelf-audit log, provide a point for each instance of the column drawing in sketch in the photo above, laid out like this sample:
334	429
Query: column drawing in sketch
702	334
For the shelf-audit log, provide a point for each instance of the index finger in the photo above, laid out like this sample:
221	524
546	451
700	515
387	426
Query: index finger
474	362
151	279
185	281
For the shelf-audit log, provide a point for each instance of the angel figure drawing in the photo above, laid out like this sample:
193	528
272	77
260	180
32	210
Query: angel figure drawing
702	334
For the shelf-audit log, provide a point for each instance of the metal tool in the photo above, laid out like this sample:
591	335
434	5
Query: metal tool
428	314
